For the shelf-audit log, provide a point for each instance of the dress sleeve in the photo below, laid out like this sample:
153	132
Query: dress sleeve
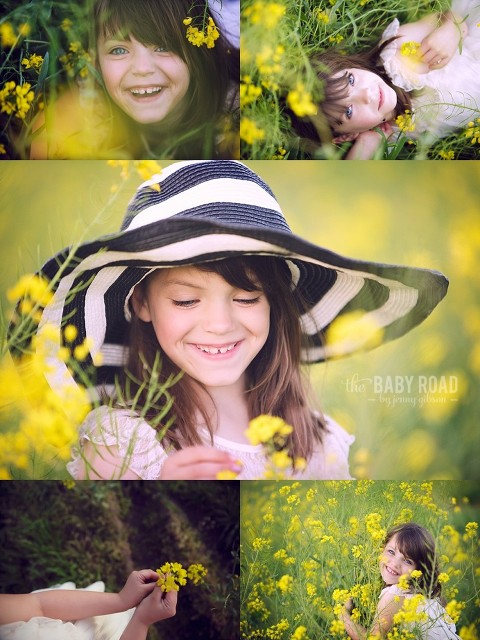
134	439
331	459
396	71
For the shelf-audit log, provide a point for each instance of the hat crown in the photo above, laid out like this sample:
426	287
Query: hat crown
226	192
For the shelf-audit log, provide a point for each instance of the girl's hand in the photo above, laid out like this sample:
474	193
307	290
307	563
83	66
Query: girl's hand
138	585
366	145
157	606
439	47
197	463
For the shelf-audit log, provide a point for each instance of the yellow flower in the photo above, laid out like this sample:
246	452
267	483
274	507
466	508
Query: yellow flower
16	99
405	121
351	331
33	287
471	529
171	576
260	543
8	38
264	428
226	475
33	62
196	573
446	155
443	577
70	332
300	101
473	131
410	48
66	25
285	583
322	16
198	38
249	132
266	14
300	633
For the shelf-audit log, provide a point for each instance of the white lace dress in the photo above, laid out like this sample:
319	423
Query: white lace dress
438	626
443	100
137	444
109	627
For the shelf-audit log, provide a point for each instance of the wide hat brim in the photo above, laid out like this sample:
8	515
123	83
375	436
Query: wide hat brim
97	279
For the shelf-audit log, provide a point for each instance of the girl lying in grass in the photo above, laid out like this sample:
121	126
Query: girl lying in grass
422	79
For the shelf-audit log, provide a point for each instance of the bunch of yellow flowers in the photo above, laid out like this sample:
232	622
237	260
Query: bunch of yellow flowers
172	575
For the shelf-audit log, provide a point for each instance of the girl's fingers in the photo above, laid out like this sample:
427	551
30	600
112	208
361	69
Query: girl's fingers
198	463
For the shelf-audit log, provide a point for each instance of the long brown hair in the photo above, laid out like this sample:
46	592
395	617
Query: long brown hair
213	71
275	382
322	128
417	543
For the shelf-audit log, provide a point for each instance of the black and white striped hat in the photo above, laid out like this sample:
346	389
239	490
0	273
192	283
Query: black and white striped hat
199	211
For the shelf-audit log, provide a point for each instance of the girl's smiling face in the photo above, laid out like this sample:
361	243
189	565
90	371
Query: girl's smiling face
369	102
393	563
207	327
145	81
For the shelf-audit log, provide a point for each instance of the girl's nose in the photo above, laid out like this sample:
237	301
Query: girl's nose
219	318
366	95
143	62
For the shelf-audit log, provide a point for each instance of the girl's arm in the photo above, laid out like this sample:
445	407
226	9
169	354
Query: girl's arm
62	604
439	36
386	609
157	606
191	463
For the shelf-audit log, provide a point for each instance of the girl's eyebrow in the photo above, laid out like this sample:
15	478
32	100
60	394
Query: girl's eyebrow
184	283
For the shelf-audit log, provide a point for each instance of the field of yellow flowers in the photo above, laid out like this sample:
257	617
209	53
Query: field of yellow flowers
278	39
411	404
306	547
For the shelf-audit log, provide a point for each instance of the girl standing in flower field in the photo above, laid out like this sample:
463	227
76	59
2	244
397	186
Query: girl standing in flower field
195	318
66	613
412	589
157	79
422	79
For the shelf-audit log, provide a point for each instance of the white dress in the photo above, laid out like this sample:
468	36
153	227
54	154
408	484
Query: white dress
137	444
446	99
438	626
109	627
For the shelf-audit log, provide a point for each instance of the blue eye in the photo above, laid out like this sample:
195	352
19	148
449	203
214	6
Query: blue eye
349	112
351	79
161	49
118	51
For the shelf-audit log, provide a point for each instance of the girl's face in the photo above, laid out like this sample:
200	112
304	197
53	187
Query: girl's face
207	327
394	564
145	81
370	101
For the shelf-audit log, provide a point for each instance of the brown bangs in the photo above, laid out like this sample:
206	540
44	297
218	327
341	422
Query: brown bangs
147	22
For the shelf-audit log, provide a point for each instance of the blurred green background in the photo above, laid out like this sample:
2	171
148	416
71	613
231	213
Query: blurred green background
418	214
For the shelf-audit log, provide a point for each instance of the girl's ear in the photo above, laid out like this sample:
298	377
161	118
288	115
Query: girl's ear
345	137
140	305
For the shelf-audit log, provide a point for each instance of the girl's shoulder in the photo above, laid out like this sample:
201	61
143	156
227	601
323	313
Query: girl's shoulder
128	433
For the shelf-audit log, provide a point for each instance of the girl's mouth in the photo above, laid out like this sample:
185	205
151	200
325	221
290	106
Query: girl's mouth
216	350
380	98
391	571
142	92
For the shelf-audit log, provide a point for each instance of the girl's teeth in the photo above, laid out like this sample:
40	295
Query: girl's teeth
216	350
145	92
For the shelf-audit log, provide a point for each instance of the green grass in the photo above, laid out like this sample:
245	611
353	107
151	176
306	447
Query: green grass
276	58
51	533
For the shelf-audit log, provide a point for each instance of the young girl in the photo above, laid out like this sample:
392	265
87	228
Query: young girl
408	547
427	72
161	94
66	613
206	278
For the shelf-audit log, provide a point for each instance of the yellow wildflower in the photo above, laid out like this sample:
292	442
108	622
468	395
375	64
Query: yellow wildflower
16	99
405	121
300	101
226	475
446	155
66	25
285	583
353	330
443	577
300	633
471	530
8	38
196	573
206	37
322	16
267	14
410	48
263	429
249	132
171	576
33	62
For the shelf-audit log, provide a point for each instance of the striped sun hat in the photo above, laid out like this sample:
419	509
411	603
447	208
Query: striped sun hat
199	211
